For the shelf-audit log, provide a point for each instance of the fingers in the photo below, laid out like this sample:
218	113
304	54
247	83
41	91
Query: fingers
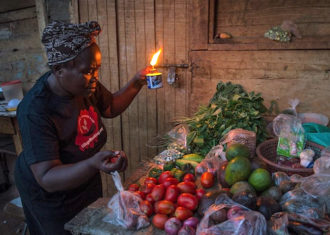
113	161
110	167
125	163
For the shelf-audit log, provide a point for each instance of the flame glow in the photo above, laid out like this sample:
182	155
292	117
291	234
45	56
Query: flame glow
155	57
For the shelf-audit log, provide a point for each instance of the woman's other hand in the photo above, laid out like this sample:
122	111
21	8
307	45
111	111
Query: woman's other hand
140	76
109	161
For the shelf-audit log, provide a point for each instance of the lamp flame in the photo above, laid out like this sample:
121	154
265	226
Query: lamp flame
155	58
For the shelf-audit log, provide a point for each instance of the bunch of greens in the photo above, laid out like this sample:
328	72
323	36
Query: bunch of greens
231	107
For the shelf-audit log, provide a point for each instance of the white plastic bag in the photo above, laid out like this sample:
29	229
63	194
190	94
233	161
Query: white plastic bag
125	209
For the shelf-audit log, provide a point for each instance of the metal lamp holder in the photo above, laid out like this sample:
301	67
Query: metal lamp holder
172	76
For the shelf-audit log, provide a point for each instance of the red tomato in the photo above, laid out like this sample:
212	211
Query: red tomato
159	220
163	176
207	179
199	193
114	159
170	181
189	178
188	201
172	193
187	187
146	208
158	192
156	207
182	213
150	180
147	188
149	198
140	194
165	207
133	187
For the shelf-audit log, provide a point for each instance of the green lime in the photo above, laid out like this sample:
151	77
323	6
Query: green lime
260	179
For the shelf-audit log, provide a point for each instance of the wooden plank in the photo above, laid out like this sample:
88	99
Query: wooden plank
12	5
74	11
212	20
181	57
83	10
134	148
21	14
160	93
122	62
278	75
247	22
102	18
92	10
151	98
41	13
169	58
199	26
116	134
140	24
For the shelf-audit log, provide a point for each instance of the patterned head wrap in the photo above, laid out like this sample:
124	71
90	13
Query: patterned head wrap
64	41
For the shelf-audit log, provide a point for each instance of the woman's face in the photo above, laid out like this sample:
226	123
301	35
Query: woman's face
81	78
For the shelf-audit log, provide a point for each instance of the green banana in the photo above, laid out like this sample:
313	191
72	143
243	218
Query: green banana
181	162
193	157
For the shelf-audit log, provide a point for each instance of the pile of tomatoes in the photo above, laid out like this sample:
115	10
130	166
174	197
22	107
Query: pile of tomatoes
168	197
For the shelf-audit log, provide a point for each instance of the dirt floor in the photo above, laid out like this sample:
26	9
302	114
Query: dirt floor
10	221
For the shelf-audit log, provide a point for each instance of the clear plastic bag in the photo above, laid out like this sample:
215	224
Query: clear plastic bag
178	138
292	109
290	131
242	220
279	177
167	155
322	164
211	163
125	209
241	136
282	223
300	202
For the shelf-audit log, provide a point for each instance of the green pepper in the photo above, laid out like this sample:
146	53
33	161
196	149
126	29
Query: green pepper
155	172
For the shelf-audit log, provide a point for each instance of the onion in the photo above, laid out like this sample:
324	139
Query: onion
192	221
187	230
172	226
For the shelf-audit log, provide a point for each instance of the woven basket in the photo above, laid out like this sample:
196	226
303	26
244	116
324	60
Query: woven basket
266	152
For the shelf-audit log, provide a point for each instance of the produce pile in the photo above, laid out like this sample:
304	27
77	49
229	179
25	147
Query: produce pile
207	181
231	107
197	195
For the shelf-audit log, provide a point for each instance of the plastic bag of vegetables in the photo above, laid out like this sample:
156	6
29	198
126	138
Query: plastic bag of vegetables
300	202
124	208
284	223
231	218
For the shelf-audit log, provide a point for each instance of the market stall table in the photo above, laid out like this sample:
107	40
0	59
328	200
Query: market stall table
9	126
90	219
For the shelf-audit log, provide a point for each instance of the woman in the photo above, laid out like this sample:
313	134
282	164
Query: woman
57	174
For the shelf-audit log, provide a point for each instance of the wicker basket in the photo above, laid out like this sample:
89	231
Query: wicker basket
266	152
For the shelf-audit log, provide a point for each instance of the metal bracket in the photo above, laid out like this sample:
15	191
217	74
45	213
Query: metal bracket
172	77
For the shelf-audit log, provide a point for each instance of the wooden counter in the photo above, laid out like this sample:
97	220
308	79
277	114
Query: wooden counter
90	219
9	126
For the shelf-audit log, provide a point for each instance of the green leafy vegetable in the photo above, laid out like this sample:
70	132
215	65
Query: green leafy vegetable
231	107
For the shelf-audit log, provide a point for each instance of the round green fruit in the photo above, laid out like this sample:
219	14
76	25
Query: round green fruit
260	179
235	150
238	169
